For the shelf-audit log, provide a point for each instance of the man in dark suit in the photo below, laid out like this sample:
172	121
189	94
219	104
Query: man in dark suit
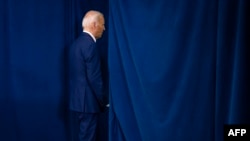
86	85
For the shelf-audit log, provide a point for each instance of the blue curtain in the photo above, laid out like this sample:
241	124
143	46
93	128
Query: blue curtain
179	69
34	39
32	70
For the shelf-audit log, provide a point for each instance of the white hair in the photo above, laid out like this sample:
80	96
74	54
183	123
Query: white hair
90	17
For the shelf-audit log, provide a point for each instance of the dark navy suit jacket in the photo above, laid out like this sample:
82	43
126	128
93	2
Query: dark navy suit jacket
86	84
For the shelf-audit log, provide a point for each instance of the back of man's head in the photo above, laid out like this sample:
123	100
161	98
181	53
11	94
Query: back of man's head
90	18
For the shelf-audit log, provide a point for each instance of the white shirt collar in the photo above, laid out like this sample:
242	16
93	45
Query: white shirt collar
90	35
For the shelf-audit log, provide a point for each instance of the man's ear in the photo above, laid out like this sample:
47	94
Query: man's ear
94	24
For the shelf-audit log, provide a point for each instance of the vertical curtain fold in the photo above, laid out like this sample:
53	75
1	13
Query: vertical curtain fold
180	74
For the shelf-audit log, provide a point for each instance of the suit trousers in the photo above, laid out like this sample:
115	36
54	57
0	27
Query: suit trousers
83	126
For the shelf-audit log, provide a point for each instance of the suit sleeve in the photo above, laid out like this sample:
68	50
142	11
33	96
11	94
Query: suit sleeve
93	71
